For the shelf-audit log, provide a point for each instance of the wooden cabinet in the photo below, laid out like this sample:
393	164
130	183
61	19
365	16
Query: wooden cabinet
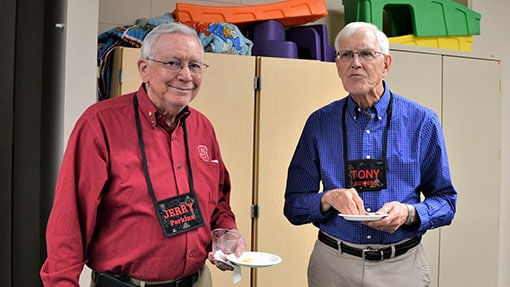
465	92
259	105
227	98
472	124
291	91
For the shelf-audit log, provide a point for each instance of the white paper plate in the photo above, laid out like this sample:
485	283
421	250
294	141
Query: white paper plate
368	217
255	259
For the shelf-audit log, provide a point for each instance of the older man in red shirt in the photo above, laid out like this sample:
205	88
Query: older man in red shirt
142	182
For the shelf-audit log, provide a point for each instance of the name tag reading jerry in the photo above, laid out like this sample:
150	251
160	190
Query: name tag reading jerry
366	175
179	214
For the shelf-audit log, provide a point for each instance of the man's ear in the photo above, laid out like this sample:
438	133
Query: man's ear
388	59
143	67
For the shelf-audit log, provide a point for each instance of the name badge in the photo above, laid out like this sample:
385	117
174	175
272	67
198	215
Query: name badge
366	175
179	214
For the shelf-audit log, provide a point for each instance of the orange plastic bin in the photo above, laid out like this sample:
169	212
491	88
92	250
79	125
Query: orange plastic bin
291	12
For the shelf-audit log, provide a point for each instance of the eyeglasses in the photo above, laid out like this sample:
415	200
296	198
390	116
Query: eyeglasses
366	55
177	65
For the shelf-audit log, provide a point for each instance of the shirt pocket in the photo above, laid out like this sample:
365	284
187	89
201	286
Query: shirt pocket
207	181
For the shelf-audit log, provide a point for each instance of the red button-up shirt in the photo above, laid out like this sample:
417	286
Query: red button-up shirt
103	215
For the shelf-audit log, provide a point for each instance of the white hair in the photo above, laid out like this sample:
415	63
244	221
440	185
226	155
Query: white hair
351	28
163	29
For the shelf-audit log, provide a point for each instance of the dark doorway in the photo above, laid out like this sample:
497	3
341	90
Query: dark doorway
31	67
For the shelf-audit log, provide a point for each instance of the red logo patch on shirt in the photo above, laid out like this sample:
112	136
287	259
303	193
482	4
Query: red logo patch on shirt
203	152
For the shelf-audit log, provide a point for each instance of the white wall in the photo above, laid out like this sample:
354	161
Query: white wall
80	68
82	30
81	52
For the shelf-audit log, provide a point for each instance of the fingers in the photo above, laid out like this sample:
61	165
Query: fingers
223	266
210	256
240	247
359	205
220	265
346	201
397	215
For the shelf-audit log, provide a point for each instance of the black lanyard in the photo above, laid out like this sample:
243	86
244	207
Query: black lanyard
388	120
366	174
144	157
177	214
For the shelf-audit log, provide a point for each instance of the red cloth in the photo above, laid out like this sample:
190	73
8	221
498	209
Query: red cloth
103	215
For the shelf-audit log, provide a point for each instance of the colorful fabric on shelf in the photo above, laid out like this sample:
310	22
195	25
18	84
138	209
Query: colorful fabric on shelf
217	37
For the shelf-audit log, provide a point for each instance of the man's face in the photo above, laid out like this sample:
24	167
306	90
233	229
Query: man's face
363	70
171	76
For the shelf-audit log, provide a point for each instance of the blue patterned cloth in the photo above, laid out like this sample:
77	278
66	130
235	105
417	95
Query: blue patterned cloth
223	38
417	163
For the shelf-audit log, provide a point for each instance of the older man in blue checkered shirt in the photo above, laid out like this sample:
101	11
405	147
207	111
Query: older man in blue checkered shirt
375	154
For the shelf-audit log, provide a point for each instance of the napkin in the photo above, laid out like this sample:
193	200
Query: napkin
236	273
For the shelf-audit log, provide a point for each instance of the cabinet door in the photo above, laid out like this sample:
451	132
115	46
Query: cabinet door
124	74
227	99
417	76
291	90
472	124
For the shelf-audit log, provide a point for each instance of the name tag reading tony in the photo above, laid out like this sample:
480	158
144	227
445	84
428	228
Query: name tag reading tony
179	214
366	175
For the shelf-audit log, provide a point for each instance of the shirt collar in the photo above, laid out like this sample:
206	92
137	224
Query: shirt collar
379	108
150	112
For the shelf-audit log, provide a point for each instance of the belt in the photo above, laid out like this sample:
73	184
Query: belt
370	253
187	281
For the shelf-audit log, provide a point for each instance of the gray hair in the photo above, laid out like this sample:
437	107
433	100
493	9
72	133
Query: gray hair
353	27
163	29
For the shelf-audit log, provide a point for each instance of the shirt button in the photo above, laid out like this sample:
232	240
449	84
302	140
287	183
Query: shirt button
368	156
179	166
369	236
191	253
369	209
367	131
380	118
172	138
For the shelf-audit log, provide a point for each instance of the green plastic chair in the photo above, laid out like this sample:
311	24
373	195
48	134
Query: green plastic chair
419	17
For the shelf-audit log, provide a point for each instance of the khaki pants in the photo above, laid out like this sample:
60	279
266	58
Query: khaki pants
205	278
203	281
330	268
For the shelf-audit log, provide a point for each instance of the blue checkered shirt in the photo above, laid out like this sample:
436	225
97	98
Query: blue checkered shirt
417	163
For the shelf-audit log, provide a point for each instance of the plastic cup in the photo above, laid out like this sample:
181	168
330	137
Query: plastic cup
224	240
